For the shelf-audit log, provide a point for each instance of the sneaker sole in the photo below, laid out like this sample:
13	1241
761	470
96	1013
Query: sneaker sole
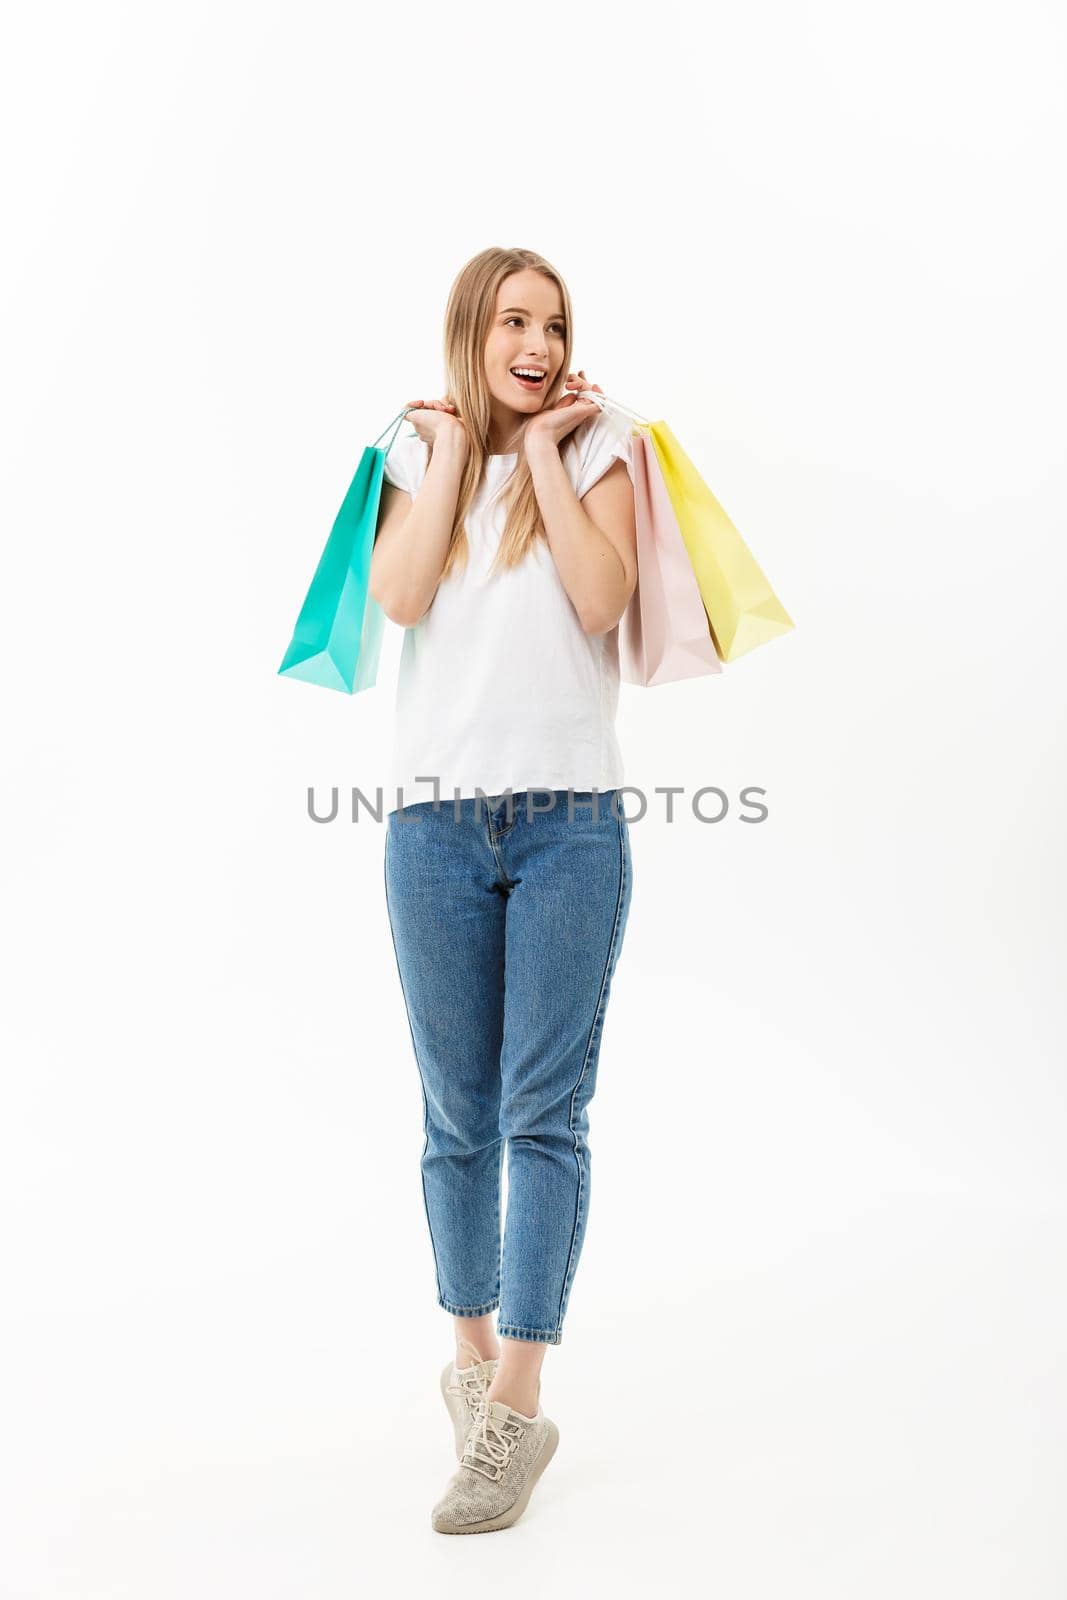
513	1513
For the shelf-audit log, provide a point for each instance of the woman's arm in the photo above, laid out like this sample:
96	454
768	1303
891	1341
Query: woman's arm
413	535
593	540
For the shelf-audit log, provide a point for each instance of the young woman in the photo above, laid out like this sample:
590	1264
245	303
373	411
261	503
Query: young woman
506	546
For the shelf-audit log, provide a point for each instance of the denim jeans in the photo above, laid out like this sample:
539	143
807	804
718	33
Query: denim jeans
507	924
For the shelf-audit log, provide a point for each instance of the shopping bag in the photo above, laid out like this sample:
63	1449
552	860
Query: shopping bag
337	639
742	609
663	634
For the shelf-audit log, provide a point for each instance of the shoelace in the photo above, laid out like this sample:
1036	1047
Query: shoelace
491	1441
473	1379
471	1385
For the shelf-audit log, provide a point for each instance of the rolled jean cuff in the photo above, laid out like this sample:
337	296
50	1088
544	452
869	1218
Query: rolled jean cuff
468	1311
509	1330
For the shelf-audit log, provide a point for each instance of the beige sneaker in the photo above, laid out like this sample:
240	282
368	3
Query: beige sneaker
463	1387
504	1454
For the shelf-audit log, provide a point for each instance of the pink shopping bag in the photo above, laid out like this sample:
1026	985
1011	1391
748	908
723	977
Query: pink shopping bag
664	633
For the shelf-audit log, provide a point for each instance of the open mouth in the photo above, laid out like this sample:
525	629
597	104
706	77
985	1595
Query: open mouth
528	377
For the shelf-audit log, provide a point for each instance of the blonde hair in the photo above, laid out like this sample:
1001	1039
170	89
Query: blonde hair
468	320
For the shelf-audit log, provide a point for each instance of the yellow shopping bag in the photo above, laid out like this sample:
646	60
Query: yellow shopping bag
743	610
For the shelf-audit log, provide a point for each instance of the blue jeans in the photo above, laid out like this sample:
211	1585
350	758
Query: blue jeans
507	924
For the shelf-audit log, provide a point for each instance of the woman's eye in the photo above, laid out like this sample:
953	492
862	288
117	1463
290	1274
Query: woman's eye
560	329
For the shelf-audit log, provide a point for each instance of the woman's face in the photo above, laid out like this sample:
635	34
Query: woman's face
528	331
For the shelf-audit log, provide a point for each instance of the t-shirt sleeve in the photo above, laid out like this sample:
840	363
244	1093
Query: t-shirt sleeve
601	441
405	464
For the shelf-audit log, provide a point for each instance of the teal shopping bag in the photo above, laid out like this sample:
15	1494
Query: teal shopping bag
338	635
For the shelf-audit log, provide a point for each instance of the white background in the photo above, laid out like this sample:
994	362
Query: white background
816	1341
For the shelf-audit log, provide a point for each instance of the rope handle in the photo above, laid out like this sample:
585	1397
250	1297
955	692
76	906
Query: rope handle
602	400
398	419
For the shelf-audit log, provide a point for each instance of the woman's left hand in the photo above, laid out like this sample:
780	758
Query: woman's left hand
555	422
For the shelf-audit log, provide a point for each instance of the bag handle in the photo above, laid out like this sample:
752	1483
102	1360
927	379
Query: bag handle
398	419
602	400
606	400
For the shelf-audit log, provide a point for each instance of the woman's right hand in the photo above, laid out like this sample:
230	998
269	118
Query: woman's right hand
432	419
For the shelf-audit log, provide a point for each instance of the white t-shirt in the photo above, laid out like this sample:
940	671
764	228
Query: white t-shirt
499	685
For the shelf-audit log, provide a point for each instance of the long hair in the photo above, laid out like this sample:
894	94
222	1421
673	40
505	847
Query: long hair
468	319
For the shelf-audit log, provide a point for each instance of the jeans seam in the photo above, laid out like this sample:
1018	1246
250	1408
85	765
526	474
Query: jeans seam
514	1330
502	873
468	1311
422	1083
499	1221
585	1064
